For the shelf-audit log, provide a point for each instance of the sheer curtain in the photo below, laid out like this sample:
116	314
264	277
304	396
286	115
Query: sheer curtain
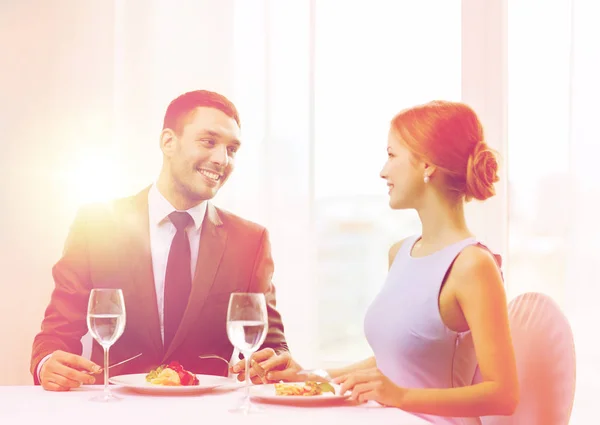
272	86
583	275
553	143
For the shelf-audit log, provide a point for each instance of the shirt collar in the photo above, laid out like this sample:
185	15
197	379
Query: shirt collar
159	209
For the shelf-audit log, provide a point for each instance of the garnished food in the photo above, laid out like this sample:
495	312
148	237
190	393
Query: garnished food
172	374
308	388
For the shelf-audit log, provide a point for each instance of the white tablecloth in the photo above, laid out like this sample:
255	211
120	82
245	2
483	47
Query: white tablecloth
29	405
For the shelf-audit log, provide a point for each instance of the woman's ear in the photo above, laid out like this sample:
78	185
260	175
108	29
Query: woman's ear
429	169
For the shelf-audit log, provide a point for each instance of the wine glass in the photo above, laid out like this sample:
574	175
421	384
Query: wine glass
106	323
247	324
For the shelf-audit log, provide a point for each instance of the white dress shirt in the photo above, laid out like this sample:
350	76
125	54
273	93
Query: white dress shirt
162	232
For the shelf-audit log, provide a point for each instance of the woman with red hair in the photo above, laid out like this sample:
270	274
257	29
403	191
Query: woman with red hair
442	311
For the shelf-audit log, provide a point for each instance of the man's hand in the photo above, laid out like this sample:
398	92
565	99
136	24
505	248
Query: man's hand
270	367
63	371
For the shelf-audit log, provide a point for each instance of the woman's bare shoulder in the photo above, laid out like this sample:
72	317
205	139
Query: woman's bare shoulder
394	251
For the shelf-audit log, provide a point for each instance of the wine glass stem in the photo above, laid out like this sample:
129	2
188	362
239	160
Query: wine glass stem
248	382
106	390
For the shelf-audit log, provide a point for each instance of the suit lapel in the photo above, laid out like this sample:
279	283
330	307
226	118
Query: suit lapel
213	238
136	225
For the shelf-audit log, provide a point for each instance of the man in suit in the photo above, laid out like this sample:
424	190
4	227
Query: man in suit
176	257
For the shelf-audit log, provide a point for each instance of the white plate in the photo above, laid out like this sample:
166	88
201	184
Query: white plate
266	393
137	382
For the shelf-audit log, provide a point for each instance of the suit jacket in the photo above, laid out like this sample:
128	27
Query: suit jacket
108	246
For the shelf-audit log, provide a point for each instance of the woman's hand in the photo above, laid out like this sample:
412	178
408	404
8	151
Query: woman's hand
371	384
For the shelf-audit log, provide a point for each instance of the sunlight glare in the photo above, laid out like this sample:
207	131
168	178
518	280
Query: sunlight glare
93	177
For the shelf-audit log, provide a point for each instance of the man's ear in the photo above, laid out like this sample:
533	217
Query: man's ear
168	142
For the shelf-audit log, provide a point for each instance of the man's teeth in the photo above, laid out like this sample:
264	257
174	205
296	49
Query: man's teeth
210	175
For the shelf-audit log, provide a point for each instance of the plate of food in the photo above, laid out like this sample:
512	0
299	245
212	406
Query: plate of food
170	378
308	392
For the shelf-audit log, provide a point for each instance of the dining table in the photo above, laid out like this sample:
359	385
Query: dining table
29	404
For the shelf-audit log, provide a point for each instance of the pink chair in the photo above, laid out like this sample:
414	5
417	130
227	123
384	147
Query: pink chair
545	354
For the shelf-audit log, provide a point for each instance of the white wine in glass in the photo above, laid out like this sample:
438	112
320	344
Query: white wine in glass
106	323
247	324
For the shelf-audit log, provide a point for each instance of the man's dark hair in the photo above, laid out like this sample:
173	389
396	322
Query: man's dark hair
179	109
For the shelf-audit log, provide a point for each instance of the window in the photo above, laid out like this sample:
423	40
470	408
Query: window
554	187
369	66
538	153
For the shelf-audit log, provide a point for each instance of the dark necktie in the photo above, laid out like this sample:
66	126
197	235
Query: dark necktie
178	277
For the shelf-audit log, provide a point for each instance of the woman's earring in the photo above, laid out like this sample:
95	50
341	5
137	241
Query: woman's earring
426	178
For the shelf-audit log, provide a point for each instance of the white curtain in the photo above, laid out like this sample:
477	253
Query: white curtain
272	75
553	146
582	283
